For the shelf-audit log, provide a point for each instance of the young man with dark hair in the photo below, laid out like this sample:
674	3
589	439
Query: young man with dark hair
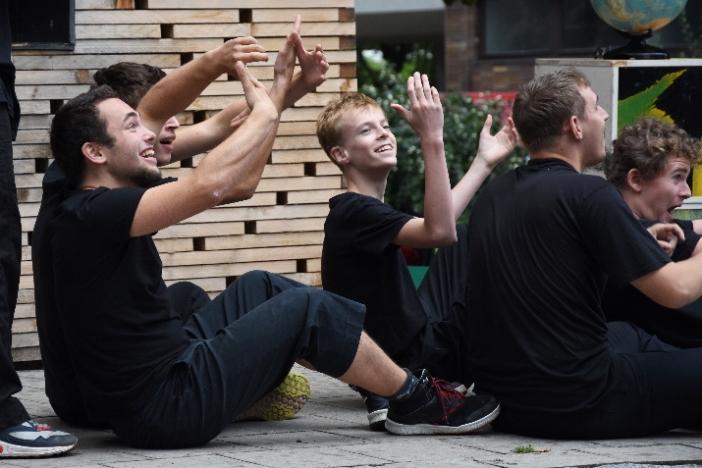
361	257
131	82
544	239
650	163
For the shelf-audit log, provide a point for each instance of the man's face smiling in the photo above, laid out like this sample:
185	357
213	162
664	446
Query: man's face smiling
130	160
366	138
667	191
163	148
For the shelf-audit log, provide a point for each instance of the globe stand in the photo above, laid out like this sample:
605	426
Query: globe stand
637	49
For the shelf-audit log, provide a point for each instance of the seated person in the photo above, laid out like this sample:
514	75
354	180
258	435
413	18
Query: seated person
174	93
361	257
161	383
649	164
544	238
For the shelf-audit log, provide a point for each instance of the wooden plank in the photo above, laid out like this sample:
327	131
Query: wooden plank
155	16
49	92
283	170
26	354
24	166
201	230
252	241
101	4
327	168
35	107
25	310
24	325
311	224
299	183
311	29
31	151
302	155
140	46
26	195
309	15
224	30
53	77
156	4
117	31
226	270
327	42
208	284
214	257
35	122
312	196
297	128
91	62
339	85
310	279
301	113
174	245
257	213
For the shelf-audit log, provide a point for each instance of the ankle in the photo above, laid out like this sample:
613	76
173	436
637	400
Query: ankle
407	388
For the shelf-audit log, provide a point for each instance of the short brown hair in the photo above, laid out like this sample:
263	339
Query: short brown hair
130	80
545	103
647	145
328	129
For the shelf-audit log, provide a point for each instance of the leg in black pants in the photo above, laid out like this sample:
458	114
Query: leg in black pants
442	293
243	344
12	412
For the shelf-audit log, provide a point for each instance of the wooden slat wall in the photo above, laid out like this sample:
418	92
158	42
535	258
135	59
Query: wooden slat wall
281	228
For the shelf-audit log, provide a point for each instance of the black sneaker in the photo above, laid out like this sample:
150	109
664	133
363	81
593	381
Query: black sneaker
377	407
30	439
436	407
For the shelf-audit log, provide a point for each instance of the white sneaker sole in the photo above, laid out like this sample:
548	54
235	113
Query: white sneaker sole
8	450
417	429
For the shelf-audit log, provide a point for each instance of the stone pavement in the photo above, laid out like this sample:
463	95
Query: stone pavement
331	431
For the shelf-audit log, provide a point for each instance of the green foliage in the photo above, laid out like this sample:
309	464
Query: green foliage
692	38
463	121
523	449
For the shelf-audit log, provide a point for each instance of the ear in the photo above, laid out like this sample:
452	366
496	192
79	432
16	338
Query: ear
339	155
93	153
634	180
573	127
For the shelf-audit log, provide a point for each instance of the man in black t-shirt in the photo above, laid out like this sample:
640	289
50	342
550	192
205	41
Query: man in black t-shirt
361	257
544	239
650	163
161	383
173	94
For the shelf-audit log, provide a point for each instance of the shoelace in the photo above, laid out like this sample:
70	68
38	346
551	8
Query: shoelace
447	395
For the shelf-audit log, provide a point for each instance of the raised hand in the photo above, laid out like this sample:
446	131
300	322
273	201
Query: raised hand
254	92
313	64
241	49
494	148
426	114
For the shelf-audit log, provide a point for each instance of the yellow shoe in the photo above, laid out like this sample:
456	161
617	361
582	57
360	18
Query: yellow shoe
282	403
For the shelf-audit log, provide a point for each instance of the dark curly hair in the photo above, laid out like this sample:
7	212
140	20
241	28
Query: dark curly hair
130	80
77	122
646	145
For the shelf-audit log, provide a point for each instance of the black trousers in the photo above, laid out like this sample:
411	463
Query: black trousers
442	294
652	387
242	345
12	411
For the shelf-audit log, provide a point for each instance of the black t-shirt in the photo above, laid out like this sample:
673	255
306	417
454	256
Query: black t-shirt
360	262
679	327
121	333
7	70
543	240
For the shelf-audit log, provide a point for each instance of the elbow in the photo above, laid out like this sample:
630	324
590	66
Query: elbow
444	238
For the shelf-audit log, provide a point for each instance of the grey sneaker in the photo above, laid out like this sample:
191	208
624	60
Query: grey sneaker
30	439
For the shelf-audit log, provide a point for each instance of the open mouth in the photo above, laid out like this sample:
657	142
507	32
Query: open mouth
384	149
149	153
167	141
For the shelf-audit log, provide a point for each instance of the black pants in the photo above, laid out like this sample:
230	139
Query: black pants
242	345
442	294
12	412
652	387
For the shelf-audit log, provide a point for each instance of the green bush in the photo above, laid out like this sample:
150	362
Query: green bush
463	121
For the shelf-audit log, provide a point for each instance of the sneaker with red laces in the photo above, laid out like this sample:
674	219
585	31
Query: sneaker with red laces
435	407
30	439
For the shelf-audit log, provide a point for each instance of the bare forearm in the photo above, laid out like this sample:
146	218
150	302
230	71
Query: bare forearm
438	201
468	186
674	285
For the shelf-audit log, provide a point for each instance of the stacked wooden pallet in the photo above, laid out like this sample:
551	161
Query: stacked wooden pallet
280	229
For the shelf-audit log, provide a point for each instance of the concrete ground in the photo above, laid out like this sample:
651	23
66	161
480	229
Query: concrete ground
331	431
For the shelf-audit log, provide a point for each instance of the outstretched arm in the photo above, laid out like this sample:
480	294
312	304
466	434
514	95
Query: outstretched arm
491	150
219	174
180	88
426	117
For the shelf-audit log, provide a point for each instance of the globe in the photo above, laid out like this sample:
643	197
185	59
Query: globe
636	19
